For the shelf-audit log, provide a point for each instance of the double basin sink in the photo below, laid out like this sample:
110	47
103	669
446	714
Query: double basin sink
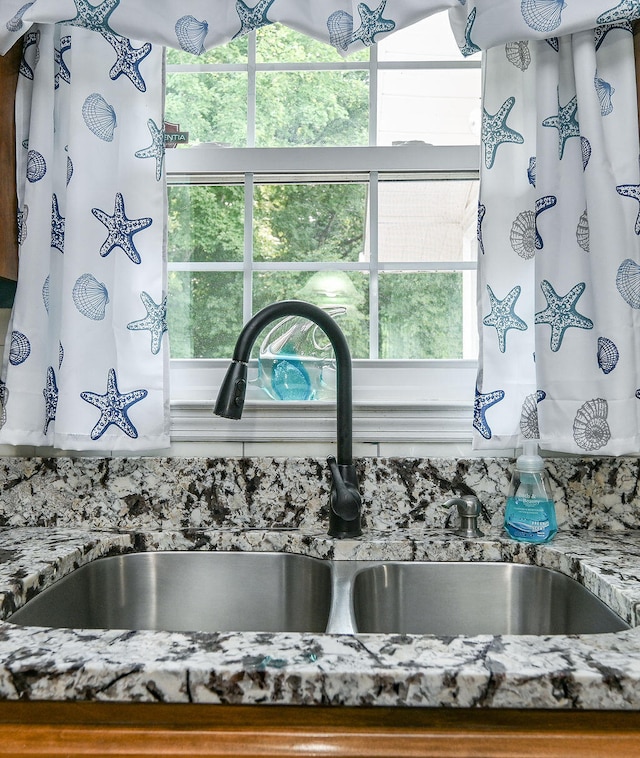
284	592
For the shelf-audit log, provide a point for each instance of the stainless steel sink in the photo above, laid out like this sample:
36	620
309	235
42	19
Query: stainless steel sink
188	591
271	592
476	598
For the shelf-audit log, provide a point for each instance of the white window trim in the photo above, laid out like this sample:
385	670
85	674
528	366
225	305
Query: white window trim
434	404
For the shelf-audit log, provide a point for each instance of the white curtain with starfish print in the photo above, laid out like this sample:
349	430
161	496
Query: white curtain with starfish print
86	367
345	24
348	25
559	247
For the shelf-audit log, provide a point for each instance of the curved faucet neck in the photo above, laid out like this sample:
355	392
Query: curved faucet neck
264	317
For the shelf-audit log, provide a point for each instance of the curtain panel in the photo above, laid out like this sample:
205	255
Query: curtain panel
559	268
86	364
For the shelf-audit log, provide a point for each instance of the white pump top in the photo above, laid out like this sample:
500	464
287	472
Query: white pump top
529	460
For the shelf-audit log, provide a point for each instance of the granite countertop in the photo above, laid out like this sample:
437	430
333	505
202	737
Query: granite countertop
600	671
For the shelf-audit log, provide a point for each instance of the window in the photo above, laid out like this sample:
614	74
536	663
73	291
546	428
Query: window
346	182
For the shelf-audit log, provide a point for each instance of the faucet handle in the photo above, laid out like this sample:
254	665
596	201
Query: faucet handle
469	508
345	503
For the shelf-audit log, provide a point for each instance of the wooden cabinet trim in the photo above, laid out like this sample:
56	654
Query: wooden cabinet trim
84	729
9	66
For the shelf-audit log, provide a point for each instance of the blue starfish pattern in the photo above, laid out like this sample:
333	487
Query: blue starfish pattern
30	39
561	312
371	23
470	46
155	320
495	131
632	191
481	404
503	315
128	60
482	210
121	229
156	148
62	70
252	18
4	399
23	214
57	225
94	17
50	393
626	9
565	122
113	407
602	31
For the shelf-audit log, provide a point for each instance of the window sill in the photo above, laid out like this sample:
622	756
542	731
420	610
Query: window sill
291	421
440	407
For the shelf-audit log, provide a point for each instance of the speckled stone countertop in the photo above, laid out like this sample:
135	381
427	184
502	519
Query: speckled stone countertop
58	514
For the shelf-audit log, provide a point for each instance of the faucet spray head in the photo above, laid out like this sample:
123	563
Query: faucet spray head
230	400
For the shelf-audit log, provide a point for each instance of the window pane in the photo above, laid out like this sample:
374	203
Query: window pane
312	108
421	315
309	222
280	44
351	294
428	40
437	107
212	107
204	313
206	223
427	221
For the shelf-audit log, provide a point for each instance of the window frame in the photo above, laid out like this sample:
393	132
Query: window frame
436	399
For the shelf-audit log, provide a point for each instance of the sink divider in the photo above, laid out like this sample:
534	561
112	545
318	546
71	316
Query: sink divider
341	616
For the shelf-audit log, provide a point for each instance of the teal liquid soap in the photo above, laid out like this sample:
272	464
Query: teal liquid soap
530	513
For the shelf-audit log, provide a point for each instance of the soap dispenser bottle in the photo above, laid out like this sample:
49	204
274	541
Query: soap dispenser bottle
530	514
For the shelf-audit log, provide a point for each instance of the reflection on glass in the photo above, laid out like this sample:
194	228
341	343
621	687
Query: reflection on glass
428	40
205	223
432	220
309	222
204	313
312	108
436	107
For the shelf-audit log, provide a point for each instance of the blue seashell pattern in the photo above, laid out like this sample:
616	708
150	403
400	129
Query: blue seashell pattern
608	355
90	297
542	15
518	54
340	27
99	116
628	282
36	166
604	91
15	23
191	34
19	348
